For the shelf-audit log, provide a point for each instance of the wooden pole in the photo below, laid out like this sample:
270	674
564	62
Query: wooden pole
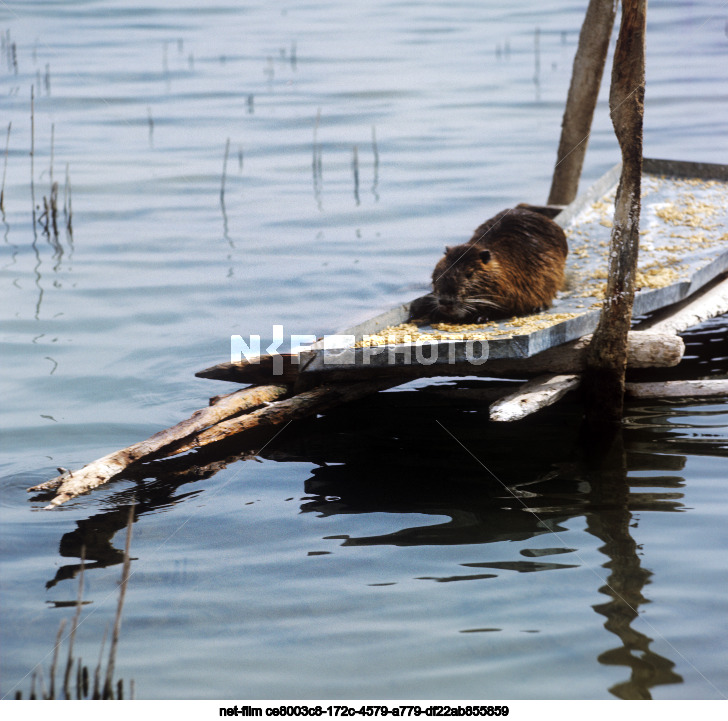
607	354
586	77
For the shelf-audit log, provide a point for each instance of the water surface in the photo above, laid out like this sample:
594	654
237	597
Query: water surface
400	548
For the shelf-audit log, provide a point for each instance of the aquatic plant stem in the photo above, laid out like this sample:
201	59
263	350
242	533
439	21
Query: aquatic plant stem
5	169
108	692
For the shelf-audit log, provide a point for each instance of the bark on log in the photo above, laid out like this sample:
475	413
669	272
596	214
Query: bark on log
711	388
586	77
644	350
273	413
299	406
532	396
103	469
606	358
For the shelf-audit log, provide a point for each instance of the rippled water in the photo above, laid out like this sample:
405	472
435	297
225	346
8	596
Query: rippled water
400	548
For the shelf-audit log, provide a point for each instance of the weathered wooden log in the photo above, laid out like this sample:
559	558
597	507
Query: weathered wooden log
299	406
273	413
589	61
644	350
603	381
101	470
710	388
532	396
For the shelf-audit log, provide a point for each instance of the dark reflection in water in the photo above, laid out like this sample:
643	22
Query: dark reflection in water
389	454
609	518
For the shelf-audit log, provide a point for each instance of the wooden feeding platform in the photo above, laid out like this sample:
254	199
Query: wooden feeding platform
683	246
683	269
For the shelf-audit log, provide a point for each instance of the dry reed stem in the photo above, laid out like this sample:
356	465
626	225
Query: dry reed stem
54	663
108	687
97	671
5	170
74	626
224	172
32	149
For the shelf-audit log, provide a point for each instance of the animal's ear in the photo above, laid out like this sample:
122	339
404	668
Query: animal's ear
484	256
447	249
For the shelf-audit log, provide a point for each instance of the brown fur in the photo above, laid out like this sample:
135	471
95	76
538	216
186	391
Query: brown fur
513	265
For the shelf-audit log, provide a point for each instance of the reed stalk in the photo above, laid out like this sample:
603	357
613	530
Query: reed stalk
224	172
32	149
108	684
5	170
74	628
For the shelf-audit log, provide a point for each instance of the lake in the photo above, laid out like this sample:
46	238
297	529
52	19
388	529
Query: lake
232	166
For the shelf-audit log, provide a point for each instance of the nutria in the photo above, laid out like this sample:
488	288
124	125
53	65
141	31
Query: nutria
513	265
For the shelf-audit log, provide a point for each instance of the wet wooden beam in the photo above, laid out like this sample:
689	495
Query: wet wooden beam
603	381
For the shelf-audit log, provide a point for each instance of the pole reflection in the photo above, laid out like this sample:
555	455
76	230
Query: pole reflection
610	519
